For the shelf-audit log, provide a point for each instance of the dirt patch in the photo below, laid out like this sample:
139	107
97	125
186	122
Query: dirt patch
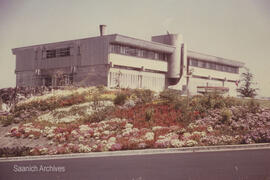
19	142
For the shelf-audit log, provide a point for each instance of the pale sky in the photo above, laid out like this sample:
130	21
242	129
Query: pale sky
234	29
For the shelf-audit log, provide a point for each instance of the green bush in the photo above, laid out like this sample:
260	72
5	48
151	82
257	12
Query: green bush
226	115
253	106
101	89
98	116
12	152
120	99
149	114
6	120
170	95
144	95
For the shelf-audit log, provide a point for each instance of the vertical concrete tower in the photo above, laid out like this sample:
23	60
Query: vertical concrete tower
176	59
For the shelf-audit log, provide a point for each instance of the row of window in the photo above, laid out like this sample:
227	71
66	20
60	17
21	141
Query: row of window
61	52
132	51
213	65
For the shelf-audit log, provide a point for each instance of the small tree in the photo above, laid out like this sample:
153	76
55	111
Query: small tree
246	89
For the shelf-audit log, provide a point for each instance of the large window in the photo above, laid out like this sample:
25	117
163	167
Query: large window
212	65
61	52
134	51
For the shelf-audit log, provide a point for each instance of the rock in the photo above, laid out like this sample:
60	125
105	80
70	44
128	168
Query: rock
17	119
129	104
5	107
22	115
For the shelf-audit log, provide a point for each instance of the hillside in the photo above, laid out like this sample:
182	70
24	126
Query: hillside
95	119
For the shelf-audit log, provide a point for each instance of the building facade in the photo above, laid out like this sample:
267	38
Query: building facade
120	61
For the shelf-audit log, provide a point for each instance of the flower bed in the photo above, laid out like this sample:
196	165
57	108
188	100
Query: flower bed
82	121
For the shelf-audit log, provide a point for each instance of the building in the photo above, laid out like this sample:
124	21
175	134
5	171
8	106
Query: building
120	61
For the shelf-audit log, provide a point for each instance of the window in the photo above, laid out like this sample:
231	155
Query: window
194	62
62	52
219	67
212	65
225	68
50	53
134	51
202	64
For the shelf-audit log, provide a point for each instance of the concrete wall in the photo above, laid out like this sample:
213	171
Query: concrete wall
25	60
95	50
25	78
91	75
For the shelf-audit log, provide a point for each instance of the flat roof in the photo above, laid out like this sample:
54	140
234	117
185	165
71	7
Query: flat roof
115	38
151	45
220	60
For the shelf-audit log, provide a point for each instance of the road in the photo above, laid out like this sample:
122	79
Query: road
218	165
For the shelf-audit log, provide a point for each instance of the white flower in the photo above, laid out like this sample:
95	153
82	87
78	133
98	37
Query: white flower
43	150
74	132
84	148
183	130
128	125
187	135
177	143
106	132
81	138
71	144
156	128
96	134
191	143
109	146
31	136
202	134
149	136
14	128
192	126
84	128
112	139
210	129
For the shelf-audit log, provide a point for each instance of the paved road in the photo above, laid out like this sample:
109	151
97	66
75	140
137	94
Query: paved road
227	165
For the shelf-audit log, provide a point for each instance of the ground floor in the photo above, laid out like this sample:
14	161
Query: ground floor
123	77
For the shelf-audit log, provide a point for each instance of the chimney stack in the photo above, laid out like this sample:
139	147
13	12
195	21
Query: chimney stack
102	29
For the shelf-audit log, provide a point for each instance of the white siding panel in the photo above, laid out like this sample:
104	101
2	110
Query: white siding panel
136	79
214	74
136	62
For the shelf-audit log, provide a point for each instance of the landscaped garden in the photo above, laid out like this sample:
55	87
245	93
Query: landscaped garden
97	119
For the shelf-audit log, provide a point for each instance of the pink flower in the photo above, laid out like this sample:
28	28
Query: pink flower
116	147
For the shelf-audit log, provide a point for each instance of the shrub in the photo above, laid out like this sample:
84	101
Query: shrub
170	95
6	120
144	95
253	106
148	114
120	99
98	116
226	115
231	101
101	89
17	151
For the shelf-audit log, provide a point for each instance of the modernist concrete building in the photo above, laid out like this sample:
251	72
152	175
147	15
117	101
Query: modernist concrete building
117	60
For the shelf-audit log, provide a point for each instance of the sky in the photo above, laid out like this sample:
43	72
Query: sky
237	30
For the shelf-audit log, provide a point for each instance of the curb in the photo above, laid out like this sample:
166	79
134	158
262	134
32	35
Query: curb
260	146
